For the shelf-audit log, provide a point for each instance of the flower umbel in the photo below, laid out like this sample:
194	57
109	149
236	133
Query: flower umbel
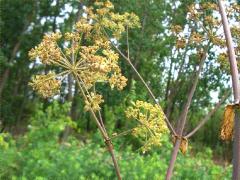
151	125
48	50
93	102
85	53
46	85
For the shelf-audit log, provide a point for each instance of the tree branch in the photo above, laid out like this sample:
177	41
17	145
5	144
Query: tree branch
210	113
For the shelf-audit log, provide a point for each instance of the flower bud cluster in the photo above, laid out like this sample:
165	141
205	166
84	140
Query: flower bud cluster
204	22
93	102
151	125
47	51
46	85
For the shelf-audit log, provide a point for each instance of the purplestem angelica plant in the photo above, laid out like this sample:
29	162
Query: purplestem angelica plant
207	29
85	54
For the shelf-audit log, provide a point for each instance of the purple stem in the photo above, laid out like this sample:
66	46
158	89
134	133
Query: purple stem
236	92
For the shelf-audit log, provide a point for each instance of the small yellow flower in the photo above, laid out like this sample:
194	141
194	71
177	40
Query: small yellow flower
193	12
181	43
223	61
176	29
196	38
236	7
117	80
108	5
218	41
235	31
209	5
83	26
212	21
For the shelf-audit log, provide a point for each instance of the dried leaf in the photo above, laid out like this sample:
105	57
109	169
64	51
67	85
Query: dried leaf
183	145
227	123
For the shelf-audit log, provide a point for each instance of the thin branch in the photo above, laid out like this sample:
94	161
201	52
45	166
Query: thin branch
183	116
148	128
65	59
91	110
107	140
60	63
128	50
100	114
145	84
122	133
231	53
208	116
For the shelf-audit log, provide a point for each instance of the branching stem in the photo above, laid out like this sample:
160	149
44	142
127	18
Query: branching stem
210	113
183	116
146	86
105	136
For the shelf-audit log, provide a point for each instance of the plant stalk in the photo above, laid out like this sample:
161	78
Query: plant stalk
147	87
236	91
105	136
173	158
183	117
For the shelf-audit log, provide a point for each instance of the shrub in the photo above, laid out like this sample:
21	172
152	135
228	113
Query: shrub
38	155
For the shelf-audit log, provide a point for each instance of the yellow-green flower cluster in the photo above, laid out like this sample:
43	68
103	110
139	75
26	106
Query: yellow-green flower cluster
104	17
209	6
93	102
196	38
176	29
234	17
86	53
117	81
180	43
151	125
46	85
204	22
47	51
